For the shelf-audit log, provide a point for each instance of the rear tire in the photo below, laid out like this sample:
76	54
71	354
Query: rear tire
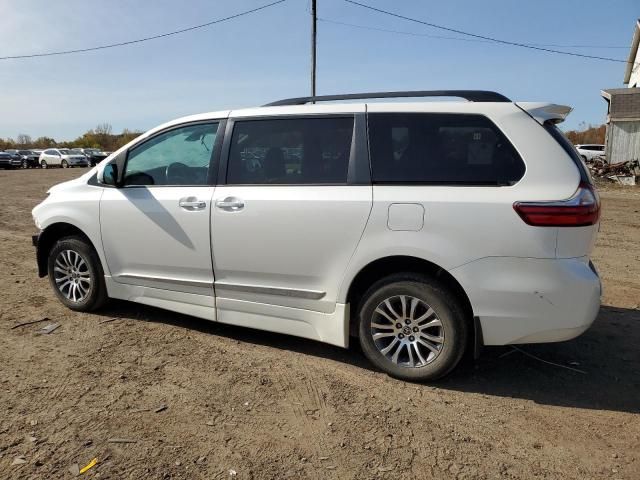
25	164
412	327
43	164
64	164
76	274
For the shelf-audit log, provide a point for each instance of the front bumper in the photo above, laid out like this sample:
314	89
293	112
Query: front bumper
10	163
528	300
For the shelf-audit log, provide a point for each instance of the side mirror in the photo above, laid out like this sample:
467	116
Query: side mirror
109	175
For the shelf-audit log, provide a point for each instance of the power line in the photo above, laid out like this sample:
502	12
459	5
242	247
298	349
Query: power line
482	37
140	40
444	37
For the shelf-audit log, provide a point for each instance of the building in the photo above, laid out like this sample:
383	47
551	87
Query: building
623	115
632	73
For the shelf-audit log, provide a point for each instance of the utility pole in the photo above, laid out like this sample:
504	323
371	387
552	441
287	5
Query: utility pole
313	47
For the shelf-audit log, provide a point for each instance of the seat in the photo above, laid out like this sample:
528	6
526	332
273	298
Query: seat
274	166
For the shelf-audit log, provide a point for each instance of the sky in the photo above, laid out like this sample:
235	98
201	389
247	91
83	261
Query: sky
264	56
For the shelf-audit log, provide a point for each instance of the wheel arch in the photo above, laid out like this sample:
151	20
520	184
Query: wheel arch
48	238
385	266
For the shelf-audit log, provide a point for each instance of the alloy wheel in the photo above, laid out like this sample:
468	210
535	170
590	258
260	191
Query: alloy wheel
407	331
72	275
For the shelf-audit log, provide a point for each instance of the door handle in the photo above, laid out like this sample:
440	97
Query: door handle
192	203
230	204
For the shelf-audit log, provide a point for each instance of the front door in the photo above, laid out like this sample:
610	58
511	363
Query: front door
155	228
286	222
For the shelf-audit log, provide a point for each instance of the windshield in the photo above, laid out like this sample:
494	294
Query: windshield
64	151
25	152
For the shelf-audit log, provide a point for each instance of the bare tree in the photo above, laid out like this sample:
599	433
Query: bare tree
23	139
103	129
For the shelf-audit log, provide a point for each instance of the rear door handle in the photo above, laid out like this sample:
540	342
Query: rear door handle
192	203
230	204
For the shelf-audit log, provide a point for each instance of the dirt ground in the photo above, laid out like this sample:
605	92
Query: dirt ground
253	405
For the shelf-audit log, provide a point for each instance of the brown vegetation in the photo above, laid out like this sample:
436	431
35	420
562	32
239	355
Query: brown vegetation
587	134
99	137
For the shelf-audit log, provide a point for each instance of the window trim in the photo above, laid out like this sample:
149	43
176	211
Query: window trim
447	183
358	172
217	144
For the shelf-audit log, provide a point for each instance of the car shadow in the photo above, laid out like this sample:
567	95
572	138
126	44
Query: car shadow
598	370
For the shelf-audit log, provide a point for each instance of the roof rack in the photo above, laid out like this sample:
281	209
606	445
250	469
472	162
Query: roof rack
471	95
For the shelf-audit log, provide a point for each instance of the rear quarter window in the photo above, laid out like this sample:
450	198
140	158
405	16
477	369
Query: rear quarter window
567	146
441	149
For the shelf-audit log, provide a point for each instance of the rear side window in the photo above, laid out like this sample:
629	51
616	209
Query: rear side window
433	148
290	151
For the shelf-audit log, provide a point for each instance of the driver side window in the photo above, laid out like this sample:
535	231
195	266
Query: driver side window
177	157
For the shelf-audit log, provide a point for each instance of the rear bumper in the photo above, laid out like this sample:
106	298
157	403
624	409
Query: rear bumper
526	300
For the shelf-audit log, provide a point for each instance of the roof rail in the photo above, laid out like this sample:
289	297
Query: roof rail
471	95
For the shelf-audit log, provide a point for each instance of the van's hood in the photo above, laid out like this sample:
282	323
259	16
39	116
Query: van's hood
59	187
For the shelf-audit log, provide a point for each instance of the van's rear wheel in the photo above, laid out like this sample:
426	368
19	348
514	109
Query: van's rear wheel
76	275
412	328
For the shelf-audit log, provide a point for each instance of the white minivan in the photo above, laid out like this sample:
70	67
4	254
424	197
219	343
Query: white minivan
423	229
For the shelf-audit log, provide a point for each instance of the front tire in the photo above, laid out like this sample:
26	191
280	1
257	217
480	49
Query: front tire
76	275
43	164
412	327
64	164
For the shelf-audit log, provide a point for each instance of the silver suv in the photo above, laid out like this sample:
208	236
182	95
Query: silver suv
425	230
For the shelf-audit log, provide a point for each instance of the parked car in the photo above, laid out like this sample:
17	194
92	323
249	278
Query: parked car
590	151
93	155
62	157
411	226
28	158
9	160
96	155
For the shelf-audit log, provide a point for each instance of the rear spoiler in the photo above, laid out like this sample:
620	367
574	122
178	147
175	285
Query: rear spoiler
545	112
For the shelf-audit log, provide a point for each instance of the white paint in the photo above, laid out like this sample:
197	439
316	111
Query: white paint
317	239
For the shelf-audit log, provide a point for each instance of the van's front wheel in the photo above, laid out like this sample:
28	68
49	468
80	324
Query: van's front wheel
76	275
412	328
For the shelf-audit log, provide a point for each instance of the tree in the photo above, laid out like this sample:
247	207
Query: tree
5	144
103	129
101	137
44	142
23	140
587	134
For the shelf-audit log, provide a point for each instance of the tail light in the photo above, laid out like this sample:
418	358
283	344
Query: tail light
582	209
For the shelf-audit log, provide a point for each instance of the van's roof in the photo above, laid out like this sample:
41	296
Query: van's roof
474	101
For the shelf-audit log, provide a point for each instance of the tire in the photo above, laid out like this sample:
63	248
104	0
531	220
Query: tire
43	164
446	327
25	164
76	275
64	164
